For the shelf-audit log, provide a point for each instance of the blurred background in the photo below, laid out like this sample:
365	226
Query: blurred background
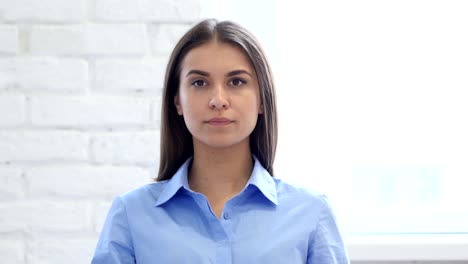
372	102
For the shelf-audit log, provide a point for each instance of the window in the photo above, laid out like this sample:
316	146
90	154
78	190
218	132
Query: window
379	91
373	108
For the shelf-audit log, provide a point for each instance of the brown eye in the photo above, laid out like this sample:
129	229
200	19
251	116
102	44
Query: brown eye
199	83
237	82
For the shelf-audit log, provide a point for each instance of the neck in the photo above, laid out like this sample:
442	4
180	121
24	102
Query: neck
220	173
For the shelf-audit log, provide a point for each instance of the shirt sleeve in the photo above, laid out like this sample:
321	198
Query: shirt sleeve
115	243
326	244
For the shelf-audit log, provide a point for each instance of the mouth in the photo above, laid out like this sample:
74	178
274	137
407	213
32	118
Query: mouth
219	121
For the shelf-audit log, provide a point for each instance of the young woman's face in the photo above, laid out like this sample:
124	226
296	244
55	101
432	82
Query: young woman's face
218	95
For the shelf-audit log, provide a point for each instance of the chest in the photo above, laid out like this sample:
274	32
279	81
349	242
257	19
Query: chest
238	236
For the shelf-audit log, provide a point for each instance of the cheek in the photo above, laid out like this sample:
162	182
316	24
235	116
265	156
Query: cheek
251	111
186	105
191	110
254	104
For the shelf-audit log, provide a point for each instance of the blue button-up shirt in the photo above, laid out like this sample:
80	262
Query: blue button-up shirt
269	221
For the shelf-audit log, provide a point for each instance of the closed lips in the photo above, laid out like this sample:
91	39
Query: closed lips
219	121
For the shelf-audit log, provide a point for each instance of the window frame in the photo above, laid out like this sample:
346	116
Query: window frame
407	247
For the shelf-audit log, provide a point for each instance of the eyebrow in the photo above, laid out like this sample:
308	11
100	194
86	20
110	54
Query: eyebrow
229	74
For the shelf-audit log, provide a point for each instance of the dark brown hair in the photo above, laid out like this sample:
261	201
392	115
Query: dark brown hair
176	140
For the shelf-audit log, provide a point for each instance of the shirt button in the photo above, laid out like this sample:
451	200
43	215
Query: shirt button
226	215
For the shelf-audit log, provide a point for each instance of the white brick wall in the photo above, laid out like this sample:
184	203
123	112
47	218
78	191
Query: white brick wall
12	110
147	10
126	147
43	145
43	74
11	183
45	215
130	75
43	11
89	39
12	251
86	111
95	181
9	40
163	37
80	96
45	251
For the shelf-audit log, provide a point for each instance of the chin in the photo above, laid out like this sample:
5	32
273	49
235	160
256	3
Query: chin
222	143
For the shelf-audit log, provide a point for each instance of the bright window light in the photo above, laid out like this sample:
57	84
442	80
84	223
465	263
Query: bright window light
374	98
373	106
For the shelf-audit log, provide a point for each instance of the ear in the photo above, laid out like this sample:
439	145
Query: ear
260	109
177	104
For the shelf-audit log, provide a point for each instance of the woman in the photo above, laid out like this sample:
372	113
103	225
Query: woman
215	199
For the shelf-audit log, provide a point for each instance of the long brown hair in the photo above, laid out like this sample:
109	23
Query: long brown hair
176	140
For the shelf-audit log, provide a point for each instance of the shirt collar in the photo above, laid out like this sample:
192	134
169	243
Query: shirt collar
262	179
259	178
179	180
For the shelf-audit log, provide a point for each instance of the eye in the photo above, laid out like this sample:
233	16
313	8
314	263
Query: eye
237	82
199	83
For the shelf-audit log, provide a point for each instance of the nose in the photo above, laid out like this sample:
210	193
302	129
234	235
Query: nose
219	99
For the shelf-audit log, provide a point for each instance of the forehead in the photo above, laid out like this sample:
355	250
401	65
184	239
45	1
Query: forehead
216	55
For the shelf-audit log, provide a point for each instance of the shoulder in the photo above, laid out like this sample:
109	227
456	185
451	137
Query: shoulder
147	193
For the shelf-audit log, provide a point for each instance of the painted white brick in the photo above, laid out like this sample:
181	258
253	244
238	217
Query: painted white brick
45	216
11	184
80	111
12	110
42	146
70	251
126	147
44	10
130	75
9	39
148	10
94	39
43	74
101	210
12	251
88	181
164	37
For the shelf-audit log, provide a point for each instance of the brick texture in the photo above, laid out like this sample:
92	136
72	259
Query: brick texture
43	74
102	111
80	100
95	39
9	37
146	10
44	11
